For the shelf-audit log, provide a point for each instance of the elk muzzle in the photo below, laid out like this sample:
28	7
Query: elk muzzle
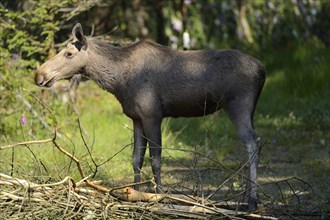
41	80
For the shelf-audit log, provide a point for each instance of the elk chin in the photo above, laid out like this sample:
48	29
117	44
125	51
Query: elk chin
69	77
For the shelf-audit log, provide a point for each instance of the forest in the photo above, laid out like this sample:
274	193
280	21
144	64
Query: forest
57	143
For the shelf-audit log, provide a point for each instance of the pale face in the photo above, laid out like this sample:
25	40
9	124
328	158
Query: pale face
68	62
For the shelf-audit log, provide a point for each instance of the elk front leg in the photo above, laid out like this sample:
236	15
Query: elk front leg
152	130
140	143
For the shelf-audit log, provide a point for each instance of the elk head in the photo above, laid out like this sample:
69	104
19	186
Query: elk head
67	63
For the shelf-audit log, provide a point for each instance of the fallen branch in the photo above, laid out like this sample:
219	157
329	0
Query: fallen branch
26	143
5	179
191	204
20	198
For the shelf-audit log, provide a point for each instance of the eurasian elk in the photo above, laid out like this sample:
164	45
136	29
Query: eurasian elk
152	81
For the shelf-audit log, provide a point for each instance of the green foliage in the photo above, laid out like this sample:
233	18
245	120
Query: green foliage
26	37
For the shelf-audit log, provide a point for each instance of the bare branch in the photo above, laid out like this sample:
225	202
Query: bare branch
26	143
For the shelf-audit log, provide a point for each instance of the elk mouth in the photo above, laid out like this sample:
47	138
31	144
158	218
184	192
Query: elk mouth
50	82
41	80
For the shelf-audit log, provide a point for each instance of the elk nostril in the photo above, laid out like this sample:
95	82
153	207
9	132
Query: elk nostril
39	78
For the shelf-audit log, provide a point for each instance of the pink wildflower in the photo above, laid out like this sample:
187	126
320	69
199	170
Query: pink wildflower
23	120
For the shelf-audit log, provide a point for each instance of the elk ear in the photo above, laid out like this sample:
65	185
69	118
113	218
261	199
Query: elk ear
79	36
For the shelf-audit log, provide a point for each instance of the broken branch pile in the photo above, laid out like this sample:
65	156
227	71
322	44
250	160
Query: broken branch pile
68	199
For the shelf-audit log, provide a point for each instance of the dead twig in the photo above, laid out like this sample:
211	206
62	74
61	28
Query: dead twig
26	143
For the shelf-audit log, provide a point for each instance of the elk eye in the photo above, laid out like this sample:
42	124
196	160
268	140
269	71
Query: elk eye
68	55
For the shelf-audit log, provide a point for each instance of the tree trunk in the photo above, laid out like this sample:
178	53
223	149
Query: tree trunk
244	26
161	37
140	18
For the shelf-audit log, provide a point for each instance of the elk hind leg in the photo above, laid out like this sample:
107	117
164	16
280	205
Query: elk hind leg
241	116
